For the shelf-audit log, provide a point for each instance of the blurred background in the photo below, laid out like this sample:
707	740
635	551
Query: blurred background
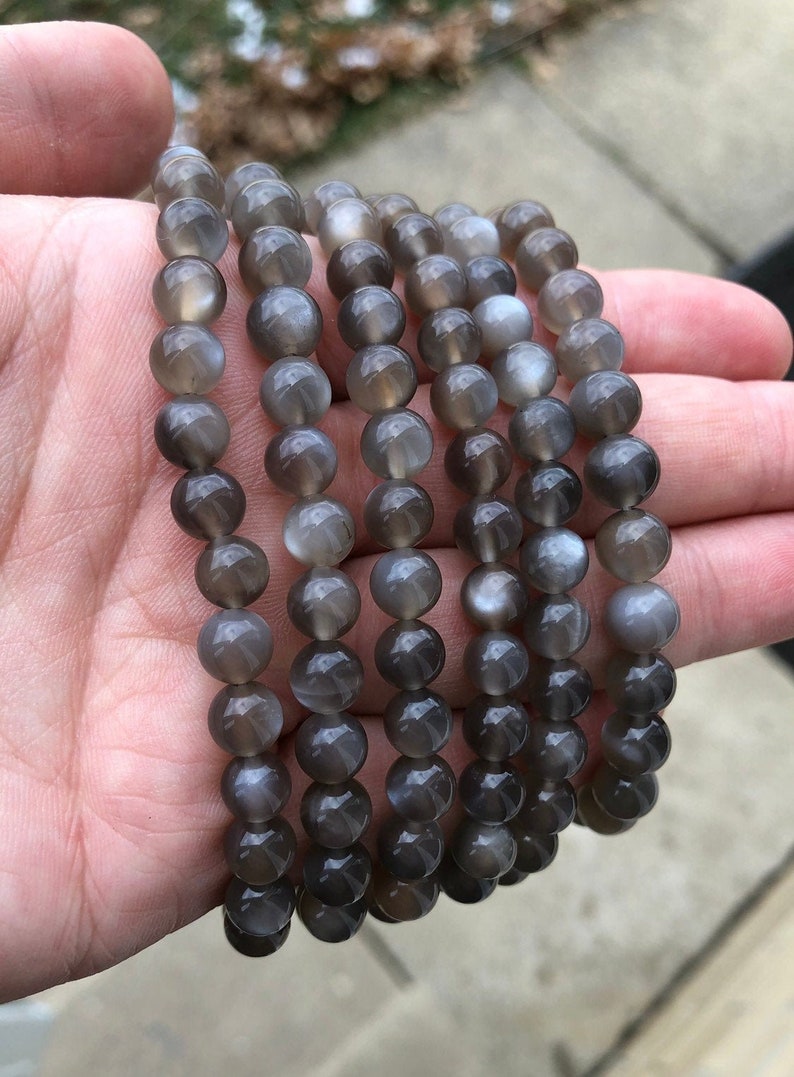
660	135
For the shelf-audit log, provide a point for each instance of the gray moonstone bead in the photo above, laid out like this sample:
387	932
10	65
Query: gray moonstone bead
192	226
463	396
191	431
255	945
448	336
491	792
556	626
450	212
323	196
504	320
548	494
330	923
483	850
284	321
417	723
319	531
496	663
301	460
410	850
435	282
542	429
548	808
487	275
558	690
569	296
555	750
370	315
605	402
621	471
412	237
273	255
478	461
357	264
471	236
295	390
398	513
518	220
534	852
495	727
493	596
187	358
400	900
247	173
235	645
379	377
390	207
331	748
523	372
633	545
171	152
621	797
590	814
396	444
554	560
187	175
323	603
487	528
208	503
326	676
542	253
232	572
346	219
189	289
641	617
634	744
245	719
589	345
260	910
640	683
405	583
336	815
460	886
420	789
337	876
256	788
409	654
264	202
259	853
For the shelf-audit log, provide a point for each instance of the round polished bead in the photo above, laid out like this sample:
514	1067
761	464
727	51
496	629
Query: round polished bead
640	683
518	220
301	460
336	815
478	461
504	321
232	572
189	289
621	471
548	494
555	750
634	744
187	175
191	431
169	153
558	690
589	345
259	853
370	315
187	358
633	545
470	237
605	402
495	727
449	336
323	603
260	910
208	503
435	282
319	531
534	852
265	202
273	255
462	887
411	237
337	876
192	226
398	513
420	789
487	528
542	429
569	296
255	945
330	923
496	663
450	212
641	617
247	173
417	723
483	850
323	196
396	444
295	390
390	207
621	797
405	583
357	264
235	645
284	321
556	626
554	560
346	219
410	850
542	253
402	900
493	596
463	396
379	377
589	813
256	788
487	276
245	719
326	676
409	654
523	372
548	808
331	748
491	792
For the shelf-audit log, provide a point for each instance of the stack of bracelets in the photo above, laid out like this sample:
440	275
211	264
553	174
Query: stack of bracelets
476	337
